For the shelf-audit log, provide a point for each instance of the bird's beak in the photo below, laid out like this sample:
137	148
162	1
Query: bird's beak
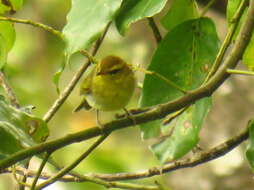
100	73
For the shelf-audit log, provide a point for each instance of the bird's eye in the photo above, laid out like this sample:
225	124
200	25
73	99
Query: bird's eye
114	71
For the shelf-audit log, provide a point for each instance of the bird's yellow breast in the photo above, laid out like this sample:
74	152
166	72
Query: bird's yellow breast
111	92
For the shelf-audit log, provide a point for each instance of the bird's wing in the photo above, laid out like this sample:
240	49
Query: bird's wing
86	87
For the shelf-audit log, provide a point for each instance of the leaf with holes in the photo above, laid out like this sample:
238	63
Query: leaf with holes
184	57
184	134
19	129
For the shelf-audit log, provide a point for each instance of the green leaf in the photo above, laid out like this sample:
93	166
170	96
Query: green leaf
8	32
180	11
16	4
248	56
12	139
19	129
185	132
86	21
7	39
3	51
232	7
250	147
184	56
132	11
3	9
58	74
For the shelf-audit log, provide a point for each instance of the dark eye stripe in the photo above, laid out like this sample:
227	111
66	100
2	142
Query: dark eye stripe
114	71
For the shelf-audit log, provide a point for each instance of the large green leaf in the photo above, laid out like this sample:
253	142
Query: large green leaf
250	147
184	56
180	11
132	10
86	20
19	129
185	132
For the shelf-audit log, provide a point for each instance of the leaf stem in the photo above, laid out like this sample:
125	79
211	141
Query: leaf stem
206	8
165	79
240	72
155	29
89	57
35	24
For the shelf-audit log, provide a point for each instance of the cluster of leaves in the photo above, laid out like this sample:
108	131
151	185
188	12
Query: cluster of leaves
185	55
19	129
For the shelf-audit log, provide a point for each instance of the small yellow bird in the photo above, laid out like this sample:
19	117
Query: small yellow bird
109	86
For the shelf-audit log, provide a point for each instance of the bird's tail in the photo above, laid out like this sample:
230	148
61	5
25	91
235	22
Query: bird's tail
83	105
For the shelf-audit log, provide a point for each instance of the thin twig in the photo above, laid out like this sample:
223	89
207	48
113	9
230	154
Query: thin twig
9	92
201	158
86	178
227	40
67	91
155	29
24	177
43	163
20	183
155	112
66	169
35	24
206	8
